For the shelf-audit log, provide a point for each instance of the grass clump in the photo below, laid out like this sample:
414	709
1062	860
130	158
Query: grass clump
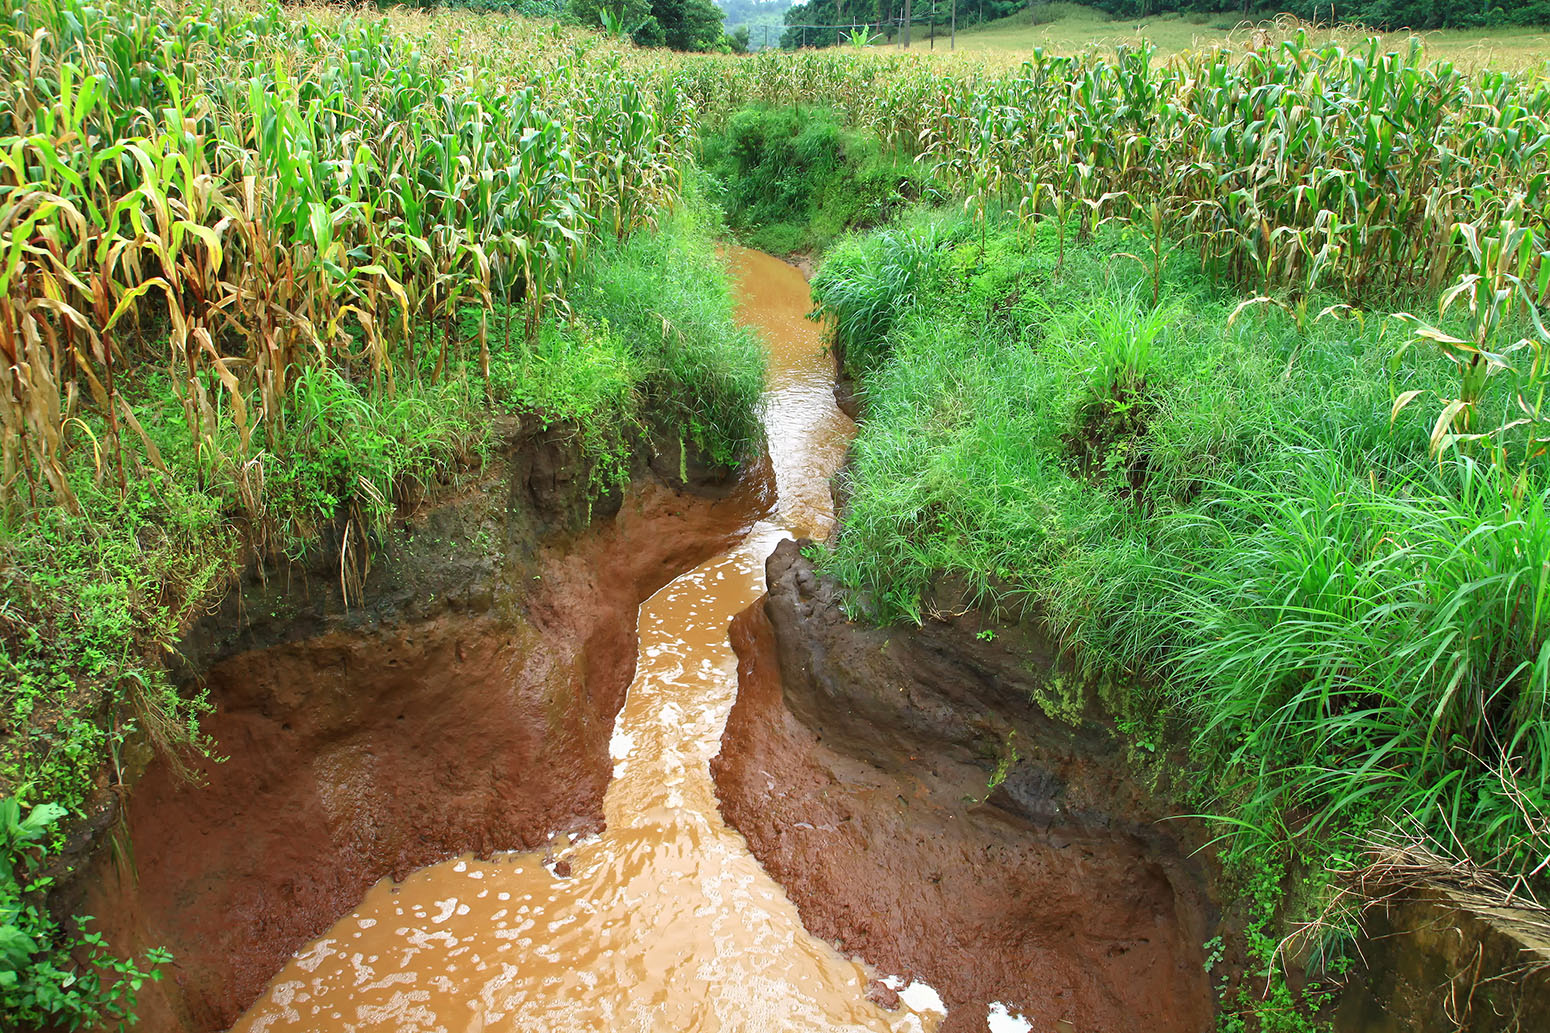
1347	628
698	373
651	347
794	179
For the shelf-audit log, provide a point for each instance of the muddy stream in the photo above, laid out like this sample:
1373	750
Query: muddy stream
665	921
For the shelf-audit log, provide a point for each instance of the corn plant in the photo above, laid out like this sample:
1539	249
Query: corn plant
242	197
1505	334
1293	166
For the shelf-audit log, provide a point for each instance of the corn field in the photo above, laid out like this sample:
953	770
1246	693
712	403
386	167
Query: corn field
234	196
1287	167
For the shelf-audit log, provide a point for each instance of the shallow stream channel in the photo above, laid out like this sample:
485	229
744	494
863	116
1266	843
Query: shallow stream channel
665	921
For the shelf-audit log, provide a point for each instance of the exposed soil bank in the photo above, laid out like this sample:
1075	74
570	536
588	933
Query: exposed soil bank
1452	958
463	703
856	762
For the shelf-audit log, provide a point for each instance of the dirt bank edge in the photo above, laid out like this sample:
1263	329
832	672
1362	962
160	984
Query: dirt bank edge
858	761
462	702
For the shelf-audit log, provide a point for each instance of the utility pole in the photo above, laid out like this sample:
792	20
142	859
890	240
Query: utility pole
933	24
954	44
904	35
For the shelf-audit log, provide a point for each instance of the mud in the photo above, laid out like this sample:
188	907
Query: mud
858	761
464	703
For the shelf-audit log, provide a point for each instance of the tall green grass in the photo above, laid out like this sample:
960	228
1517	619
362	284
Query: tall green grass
666	296
1365	648
652	347
1350	631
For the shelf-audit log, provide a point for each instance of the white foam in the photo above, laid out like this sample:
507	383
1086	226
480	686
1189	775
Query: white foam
1002	1020
920	997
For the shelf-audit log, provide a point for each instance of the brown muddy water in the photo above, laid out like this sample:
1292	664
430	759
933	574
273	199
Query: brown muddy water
665	921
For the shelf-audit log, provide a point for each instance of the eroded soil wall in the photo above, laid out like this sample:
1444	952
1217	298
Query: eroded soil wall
464	702
1448	958
857	763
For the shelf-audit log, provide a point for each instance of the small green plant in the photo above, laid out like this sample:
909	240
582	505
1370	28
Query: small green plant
1214	950
1006	760
50	977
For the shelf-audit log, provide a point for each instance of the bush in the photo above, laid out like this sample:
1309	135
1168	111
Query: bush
795	180
50	978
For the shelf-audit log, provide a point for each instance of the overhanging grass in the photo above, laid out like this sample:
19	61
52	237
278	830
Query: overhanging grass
666	298
1352	633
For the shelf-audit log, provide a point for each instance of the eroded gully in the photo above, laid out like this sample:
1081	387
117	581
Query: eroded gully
665	921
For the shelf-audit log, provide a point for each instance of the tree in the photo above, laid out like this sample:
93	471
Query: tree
688	24
619	17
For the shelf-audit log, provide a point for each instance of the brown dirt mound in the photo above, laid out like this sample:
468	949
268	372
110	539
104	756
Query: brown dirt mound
856	762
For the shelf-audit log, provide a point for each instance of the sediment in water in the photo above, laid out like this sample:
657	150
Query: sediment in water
857	762
462	702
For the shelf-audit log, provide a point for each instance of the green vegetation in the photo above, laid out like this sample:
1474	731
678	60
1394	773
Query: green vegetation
760	20
267	272
794	179
685	25
881	21
1145	382
95	601
1379	14
689	371
1349	631
1507	33
1297	168
64	978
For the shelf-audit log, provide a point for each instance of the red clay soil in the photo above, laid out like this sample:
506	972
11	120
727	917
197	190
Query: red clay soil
855	764
372	751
